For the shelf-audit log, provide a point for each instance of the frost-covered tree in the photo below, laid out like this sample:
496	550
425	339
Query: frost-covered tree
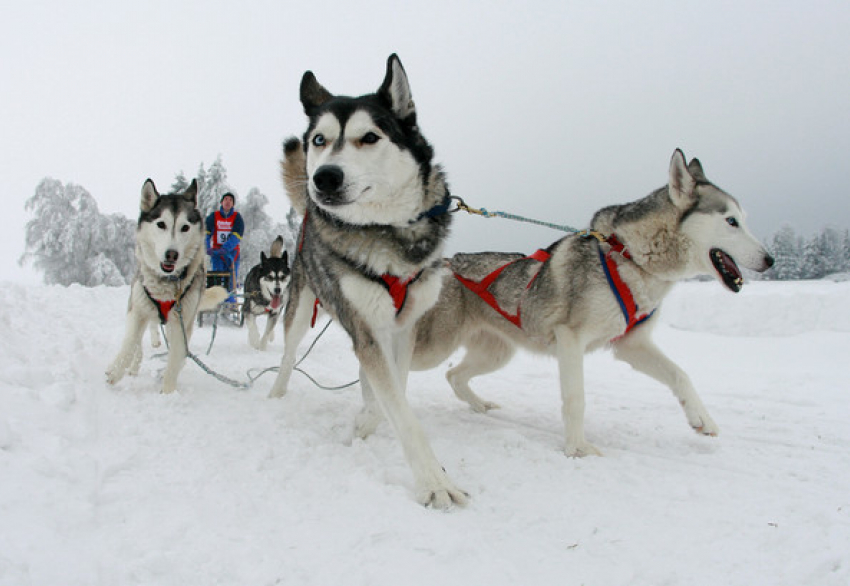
845	252
786	251
70	241
815	264
212	184
180	183
831	244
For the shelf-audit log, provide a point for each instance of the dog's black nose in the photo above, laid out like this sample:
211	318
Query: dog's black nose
768	260
171	255
328	178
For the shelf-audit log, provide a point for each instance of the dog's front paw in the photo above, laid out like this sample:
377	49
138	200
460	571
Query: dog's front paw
113	375
365	423
116	370
581	449
442	497
277	392
705	425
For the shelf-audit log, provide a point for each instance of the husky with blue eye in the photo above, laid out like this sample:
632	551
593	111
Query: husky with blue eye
370	251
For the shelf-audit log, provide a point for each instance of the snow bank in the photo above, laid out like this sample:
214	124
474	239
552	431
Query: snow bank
760	309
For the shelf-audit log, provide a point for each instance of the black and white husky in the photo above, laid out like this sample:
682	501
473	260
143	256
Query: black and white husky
370	251
265	287
586	291
169	281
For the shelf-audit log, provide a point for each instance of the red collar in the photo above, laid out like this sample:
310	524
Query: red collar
482	287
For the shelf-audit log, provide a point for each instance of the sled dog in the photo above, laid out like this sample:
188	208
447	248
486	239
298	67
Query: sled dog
169	280
265	287
370	250
585	291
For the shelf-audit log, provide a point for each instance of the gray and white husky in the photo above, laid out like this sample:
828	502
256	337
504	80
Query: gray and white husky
586	291
169	280
265	287
370	250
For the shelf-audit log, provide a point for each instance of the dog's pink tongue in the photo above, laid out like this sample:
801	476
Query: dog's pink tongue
275	301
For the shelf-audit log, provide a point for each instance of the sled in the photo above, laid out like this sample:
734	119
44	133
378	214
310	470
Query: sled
230	311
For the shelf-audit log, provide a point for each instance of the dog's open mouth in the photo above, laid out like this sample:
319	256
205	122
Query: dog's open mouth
275	301
729	272
167	267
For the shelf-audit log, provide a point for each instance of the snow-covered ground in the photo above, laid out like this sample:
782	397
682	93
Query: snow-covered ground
211	485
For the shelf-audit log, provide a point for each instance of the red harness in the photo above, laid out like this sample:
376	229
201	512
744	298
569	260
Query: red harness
482	287
396	287
621	291
165	307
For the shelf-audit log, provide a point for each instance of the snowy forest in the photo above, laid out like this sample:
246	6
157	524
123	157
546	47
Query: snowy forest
70	241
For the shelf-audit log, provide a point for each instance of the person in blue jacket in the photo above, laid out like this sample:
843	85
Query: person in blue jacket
225	229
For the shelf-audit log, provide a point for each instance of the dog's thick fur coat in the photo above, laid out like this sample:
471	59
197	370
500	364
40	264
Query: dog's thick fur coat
370	247
689	227
169	269
265	287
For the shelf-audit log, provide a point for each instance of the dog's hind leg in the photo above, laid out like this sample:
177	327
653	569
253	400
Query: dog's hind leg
153	329
433	486
570	353
485	353
296	322
370	415
638	350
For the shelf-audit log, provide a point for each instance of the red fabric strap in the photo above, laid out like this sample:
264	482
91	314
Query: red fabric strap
316	305
165	308
481	288
397	289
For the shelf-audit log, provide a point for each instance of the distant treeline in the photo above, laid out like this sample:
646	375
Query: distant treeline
824	254
70	241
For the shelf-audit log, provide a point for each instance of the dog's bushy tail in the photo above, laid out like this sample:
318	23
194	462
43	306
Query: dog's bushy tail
294	171
277	248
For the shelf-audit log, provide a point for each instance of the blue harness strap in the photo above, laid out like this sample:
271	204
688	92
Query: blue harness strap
621	291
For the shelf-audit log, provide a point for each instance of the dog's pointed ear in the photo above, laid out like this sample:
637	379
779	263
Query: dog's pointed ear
682	186
285	258
396	90
149	196
695	168
313	94
191	193
263	257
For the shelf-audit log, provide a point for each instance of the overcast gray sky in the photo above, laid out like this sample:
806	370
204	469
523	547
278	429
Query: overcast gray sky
550	110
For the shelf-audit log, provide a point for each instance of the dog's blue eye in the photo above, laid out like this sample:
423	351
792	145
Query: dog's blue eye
161	225
370	138
732	222
319	140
